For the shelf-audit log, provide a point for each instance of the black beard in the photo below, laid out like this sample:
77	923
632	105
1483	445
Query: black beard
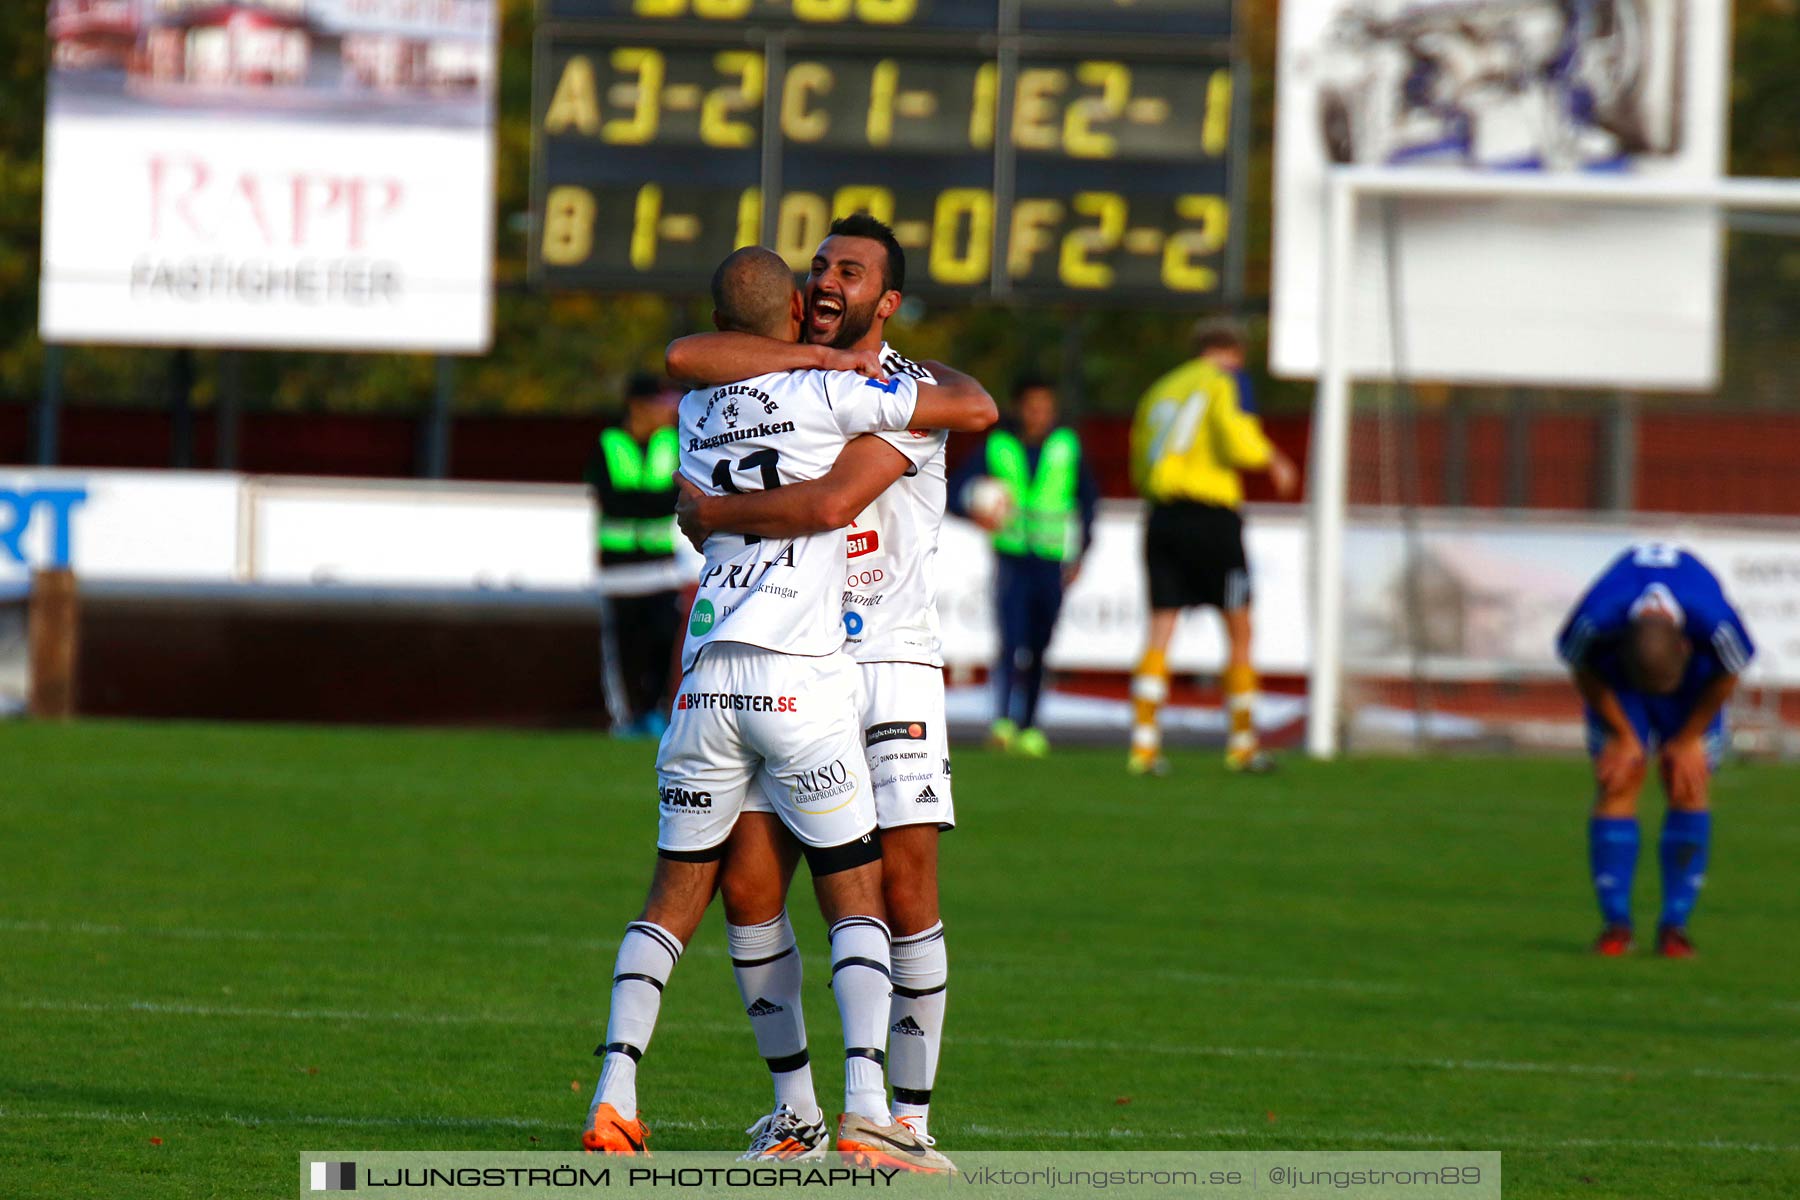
853	325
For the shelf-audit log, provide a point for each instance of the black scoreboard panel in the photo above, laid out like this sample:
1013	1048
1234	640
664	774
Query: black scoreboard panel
1044	166
1200	18
874	14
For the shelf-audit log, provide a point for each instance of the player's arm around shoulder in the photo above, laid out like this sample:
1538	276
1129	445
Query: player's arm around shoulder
865	469
708	359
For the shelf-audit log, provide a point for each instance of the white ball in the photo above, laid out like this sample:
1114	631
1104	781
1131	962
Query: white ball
990	500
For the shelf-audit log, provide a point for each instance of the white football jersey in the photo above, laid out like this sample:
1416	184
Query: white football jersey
781	594
890	599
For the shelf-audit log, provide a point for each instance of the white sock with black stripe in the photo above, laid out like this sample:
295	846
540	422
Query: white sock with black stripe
766	961
921	969
647	955
860	973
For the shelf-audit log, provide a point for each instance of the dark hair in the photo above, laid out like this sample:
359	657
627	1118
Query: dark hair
1028	381
862	225
642	386
751	291
1218	333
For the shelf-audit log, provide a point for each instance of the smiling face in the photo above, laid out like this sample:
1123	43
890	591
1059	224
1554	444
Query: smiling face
847	297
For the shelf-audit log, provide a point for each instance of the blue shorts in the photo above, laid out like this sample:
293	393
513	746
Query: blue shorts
1656	719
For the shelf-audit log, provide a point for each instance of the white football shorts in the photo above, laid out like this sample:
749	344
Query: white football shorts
787	721
907	747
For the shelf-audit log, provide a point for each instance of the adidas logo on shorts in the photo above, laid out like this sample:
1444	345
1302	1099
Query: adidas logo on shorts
926	797
764	1007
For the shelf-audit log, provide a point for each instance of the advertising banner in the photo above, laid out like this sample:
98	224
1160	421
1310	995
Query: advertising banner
270	173
1492	291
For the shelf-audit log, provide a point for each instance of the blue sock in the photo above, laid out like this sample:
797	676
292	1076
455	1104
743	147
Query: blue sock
1612	856
1685	838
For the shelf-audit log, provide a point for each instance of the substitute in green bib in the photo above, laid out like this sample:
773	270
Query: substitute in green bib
1031	489
632	472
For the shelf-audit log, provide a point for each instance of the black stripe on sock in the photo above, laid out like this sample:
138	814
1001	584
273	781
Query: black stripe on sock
758	962
658	936
878	1057
922	939
788	1062
871	922
915	993
912	1095
860	962
652	980
625	1048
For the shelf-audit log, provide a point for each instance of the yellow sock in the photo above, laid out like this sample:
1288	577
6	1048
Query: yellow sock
1149	688
1240	703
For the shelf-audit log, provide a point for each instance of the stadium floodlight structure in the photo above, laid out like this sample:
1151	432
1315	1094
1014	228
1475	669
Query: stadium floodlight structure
1328	473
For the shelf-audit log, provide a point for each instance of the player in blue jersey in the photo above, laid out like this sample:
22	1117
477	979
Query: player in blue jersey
1656	651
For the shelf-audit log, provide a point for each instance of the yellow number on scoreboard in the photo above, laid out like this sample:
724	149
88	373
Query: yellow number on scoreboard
646	96
569	214
800	225
822	10
722	10
958	257
658	8
1180	271
749	218
887	12
1076	264
878	202
717	128
644	222
1080	138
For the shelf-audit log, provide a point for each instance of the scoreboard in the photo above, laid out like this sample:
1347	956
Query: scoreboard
1029	149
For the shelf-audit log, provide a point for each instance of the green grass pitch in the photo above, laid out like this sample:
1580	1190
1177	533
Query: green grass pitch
220	946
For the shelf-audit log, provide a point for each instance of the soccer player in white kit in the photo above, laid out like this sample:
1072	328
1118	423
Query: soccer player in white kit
890	617
768	694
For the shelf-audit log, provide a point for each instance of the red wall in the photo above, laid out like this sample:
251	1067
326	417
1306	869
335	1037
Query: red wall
1687	462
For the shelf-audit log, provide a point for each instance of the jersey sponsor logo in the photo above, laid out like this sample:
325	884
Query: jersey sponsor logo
700	622
731	410
822	783
868	578
888	731
853	624
863	541
744	575
730	413
740	703
738	435
680	797
946	766
890	387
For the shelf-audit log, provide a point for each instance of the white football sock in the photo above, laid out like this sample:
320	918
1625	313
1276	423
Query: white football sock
921	968
766	962
859	980
647	956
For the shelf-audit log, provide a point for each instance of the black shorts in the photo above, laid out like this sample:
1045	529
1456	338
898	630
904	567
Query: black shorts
1194	555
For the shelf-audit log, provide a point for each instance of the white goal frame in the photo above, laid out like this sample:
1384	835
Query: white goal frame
1328	472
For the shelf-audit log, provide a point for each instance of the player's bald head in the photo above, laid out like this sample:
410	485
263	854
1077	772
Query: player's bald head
1657	652
753	292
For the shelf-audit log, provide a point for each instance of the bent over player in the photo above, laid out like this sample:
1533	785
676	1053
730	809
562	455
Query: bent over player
767	691
890	615
1656	650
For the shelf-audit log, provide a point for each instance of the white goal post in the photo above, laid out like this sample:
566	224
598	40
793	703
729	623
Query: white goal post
1328	475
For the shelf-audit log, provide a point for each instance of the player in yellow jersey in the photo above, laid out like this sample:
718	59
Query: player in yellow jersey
1195	432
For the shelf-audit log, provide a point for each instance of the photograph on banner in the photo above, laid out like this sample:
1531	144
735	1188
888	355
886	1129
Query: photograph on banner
270	173
1586	294
1493	594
